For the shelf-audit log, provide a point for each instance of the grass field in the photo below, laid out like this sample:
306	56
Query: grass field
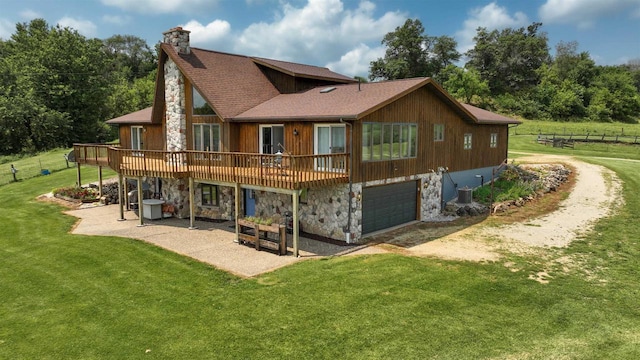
32	166
65	296
534	127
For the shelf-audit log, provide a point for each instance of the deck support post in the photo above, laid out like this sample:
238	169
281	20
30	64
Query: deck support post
100	181
237	192
296	231
120	197
140	198
192	206
78	177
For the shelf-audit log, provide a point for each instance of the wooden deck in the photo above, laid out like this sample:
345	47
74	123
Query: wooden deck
265	170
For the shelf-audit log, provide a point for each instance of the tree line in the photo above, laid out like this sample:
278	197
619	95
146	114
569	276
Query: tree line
512	71
58	87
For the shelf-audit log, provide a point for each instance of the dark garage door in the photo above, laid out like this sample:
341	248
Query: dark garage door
388	205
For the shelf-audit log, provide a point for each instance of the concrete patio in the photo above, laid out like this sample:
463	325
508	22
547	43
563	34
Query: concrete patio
212	243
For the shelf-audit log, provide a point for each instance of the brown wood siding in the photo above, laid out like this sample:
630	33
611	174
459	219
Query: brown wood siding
152	137
125	136
287	84
246	136
426	109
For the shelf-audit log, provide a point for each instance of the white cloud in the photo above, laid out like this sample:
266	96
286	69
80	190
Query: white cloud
356	61
491	17
6	28
162	6
116	19
30	14
84	27
211	35
318	33
584	13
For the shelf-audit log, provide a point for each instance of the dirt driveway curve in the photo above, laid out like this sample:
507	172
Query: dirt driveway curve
597	193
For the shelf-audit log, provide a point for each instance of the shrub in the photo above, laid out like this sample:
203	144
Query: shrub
77	193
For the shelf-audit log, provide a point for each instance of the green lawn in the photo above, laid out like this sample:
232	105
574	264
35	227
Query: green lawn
79	297
32	166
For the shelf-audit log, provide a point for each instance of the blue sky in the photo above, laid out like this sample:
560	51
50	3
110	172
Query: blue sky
341	34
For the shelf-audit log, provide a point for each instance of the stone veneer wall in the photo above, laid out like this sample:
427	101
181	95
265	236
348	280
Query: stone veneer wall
431	201
176	118
326	209
176	192
179	39
324	213
226	204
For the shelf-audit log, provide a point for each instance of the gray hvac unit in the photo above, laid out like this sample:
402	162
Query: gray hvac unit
465	196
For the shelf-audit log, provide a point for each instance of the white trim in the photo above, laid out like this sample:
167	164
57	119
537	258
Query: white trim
260	136
316	142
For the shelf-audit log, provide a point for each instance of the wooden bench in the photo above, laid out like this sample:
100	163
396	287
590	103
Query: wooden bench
273	237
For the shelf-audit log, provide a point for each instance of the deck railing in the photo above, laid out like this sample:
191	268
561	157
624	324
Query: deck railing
268	170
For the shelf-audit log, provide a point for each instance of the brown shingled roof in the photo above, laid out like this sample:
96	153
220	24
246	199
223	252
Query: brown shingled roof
302	70
488	117
338	101
138	117
231	84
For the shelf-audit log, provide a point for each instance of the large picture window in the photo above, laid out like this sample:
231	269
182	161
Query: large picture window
206	137
200	105
388	141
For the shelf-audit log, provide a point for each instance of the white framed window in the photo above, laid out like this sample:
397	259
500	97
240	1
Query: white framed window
200	105
467	141
206	137
330	139
136	137
388	141
494	140
438	132
271	138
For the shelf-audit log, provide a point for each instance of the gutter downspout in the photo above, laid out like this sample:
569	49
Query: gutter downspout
348	228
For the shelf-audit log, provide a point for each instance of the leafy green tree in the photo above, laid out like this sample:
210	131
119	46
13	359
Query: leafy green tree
508	59
614	89
127	97
574	66
130	55
443	53
412	53
66	72
464	84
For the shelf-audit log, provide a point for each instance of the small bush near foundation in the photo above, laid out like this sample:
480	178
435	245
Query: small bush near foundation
77	193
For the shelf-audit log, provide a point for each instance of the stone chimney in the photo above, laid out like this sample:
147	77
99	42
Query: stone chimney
179	39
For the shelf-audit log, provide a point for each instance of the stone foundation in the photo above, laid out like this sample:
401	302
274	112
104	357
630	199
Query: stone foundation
176	192
226	204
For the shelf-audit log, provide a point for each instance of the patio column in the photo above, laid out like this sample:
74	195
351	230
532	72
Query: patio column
237	210
120	197
78	179
100	181
192	207
296	231
140	207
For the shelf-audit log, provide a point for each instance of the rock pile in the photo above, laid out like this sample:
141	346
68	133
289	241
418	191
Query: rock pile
453	208
544	177
109	192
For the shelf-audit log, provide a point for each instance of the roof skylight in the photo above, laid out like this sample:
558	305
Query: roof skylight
326	90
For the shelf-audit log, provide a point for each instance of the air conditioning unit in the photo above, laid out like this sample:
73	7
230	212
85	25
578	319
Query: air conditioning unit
465	196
